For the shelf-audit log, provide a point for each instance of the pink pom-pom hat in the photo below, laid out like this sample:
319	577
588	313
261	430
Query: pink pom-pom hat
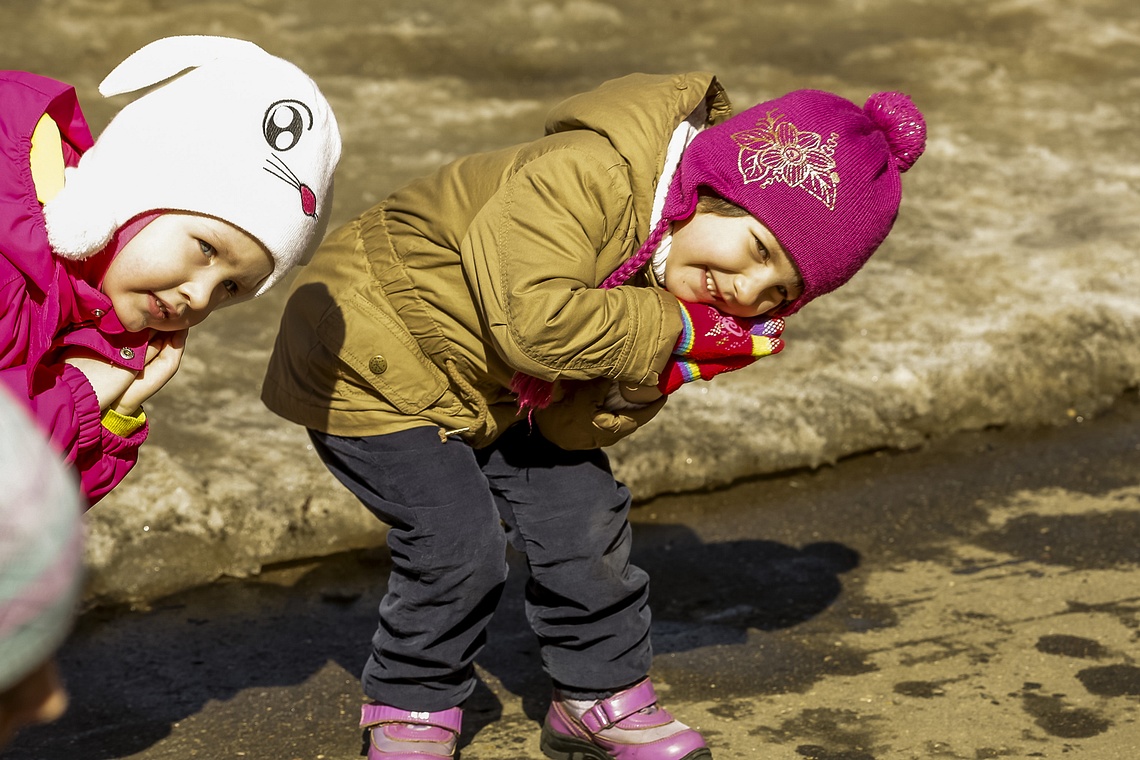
821	173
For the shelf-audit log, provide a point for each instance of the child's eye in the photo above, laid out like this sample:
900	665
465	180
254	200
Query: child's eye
207	249
231	287
762	251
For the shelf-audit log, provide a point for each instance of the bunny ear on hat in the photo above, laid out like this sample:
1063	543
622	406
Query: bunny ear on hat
162	59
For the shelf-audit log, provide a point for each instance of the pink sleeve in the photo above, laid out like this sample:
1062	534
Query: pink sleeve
64	404
102	458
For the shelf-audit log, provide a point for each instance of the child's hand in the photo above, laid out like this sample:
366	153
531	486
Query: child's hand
580	420
712	343
709	334
679	371
163	357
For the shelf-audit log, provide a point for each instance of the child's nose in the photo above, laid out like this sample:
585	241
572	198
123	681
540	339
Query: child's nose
197	293
748	290
759	294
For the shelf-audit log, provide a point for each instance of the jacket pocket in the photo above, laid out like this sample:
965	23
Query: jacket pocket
382	352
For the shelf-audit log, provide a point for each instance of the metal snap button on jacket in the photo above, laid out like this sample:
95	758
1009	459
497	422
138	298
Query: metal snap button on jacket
378	364
126	353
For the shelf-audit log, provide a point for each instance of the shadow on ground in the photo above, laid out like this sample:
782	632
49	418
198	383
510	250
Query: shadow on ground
830	611
283	629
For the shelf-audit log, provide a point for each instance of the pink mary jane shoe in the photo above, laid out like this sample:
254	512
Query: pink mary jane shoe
626	726
396	734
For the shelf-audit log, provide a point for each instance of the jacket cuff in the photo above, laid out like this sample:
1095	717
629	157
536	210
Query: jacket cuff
123	425
87	414
669	330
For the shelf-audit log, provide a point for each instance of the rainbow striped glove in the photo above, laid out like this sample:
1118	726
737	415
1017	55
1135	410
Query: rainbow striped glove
712	342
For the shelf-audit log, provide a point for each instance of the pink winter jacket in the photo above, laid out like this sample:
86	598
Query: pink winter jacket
47	304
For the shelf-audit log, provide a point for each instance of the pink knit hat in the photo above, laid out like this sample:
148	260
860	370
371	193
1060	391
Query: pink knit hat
821	173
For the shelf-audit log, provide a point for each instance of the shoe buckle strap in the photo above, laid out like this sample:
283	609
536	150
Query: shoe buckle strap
372	715
614	709
597	718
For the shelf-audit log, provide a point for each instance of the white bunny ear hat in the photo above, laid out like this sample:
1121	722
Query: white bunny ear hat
240	135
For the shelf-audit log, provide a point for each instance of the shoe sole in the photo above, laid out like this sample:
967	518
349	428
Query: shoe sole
560	747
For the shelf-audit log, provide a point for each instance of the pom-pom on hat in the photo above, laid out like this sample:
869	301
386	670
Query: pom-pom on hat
818	171
231	132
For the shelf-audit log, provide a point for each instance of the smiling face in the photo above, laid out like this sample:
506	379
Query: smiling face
179	268
732	263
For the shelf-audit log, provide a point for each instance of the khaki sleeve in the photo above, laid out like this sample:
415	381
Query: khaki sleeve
531	256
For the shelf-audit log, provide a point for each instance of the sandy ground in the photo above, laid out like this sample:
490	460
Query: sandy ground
975	599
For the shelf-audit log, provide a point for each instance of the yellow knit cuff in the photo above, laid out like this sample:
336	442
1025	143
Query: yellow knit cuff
122	425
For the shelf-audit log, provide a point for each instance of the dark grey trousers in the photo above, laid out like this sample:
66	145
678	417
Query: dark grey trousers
451	510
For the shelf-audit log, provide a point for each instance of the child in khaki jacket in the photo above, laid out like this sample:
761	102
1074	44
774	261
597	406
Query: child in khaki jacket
461	351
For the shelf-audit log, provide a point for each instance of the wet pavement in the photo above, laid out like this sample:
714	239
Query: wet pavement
975	598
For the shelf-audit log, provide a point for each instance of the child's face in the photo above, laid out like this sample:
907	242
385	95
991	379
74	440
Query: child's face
179	268
733	264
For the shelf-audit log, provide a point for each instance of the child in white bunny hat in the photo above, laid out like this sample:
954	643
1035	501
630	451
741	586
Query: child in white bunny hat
202	192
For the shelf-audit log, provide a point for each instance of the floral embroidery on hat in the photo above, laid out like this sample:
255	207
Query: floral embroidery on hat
776	151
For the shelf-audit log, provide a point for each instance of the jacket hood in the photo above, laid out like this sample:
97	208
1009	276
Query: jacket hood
637	114
26	98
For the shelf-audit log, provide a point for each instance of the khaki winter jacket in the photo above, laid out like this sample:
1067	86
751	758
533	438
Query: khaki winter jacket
420	311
